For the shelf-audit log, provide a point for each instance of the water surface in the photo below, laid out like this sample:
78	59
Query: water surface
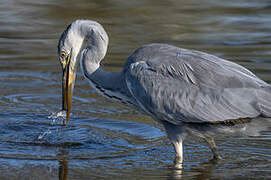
107	140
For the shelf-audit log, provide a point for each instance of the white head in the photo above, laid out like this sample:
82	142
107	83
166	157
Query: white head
83	39
82	35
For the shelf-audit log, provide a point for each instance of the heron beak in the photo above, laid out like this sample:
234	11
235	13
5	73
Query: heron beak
68	79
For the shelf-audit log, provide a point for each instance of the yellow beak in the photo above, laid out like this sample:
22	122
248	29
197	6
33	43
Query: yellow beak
68	79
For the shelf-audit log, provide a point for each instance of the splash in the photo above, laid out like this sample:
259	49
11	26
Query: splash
48	131
58	117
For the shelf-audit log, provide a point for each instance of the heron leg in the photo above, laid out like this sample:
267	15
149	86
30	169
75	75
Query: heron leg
176	134
178	146
211	142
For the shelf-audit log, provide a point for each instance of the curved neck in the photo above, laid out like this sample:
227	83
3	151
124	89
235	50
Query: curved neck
111	81
94	42
99	79
109	84
89	42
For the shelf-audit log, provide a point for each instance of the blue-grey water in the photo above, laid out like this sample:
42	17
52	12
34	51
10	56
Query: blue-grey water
106	140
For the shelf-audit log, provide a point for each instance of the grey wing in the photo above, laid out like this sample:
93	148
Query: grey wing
180	85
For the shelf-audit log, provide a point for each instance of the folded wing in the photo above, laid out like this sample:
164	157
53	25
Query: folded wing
179	85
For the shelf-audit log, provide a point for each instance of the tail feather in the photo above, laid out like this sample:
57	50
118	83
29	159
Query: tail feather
264	102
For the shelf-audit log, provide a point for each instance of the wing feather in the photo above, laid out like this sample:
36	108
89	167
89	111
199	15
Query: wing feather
180	85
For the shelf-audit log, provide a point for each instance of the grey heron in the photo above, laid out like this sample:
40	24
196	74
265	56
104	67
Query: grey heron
187	91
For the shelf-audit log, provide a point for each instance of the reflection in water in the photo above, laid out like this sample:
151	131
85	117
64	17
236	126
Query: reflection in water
63	169
63	164
202	171
177	169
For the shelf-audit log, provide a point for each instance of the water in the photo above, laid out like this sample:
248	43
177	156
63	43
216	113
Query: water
105	140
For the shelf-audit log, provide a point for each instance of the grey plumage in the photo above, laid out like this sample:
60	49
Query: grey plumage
187	91
179	85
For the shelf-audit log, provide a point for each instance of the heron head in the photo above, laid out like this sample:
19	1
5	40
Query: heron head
80	36
68	64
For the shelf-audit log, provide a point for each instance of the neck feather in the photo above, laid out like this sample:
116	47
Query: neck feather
100	79
111	85
94	42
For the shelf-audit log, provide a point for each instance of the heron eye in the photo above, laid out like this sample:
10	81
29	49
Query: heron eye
62	54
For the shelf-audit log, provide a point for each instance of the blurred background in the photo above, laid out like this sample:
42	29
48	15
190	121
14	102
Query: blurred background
106	140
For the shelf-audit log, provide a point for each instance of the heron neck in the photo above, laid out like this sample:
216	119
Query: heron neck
111	85
111	82
106	80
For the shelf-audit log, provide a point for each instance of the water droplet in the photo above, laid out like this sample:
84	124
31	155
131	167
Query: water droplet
48	131
58	117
